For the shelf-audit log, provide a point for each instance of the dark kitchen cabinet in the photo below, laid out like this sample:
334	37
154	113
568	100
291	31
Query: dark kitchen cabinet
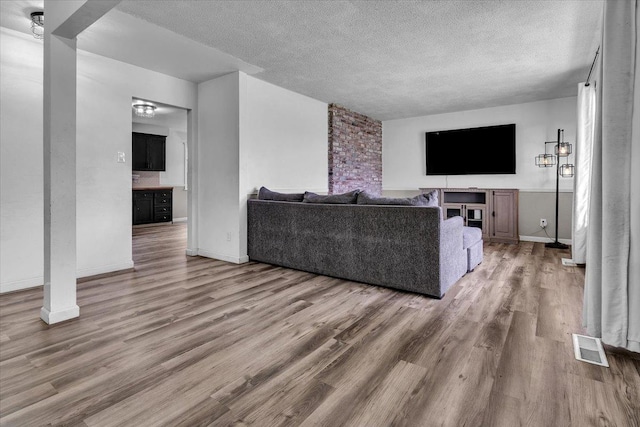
148	152
151	206
142	207
162	206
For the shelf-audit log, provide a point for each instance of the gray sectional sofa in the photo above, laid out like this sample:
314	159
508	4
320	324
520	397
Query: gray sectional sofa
402	247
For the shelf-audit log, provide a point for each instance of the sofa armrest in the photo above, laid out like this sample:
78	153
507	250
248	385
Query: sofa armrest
453	260
451	236
452	227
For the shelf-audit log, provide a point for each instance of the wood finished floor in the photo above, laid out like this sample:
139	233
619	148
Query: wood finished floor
193	341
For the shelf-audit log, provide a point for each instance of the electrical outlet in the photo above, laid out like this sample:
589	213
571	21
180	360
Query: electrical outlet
228	237
543	223
121	157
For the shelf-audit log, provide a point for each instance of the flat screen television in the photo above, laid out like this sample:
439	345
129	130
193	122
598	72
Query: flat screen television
474	151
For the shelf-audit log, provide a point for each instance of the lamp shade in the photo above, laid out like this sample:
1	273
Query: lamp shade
545	160
567	170
563	149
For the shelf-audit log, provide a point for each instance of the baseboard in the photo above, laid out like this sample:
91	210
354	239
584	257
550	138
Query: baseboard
191	252
51	317
543	239
34	282
22	284
85	279
214	255
184	219
86	272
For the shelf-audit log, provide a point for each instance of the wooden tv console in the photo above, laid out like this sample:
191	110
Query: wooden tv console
494	211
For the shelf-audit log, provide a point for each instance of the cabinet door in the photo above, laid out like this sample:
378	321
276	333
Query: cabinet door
156	152
142	210
476	216
503	216
138	152
451	209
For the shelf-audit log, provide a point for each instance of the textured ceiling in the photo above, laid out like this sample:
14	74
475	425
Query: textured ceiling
386	59
128	39
393	59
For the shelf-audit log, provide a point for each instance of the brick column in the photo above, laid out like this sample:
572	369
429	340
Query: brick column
355	151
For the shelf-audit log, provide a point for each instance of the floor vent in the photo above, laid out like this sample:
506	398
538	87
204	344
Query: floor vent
589	349
568	262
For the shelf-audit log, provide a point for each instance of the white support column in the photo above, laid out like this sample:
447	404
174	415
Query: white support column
59	178
192	184
66	19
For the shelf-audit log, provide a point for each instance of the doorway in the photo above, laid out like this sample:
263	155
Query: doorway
159	164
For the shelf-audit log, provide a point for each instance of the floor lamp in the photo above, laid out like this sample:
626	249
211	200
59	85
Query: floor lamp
566	170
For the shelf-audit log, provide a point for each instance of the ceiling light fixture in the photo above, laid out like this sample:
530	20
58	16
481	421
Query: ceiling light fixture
145	110
37	25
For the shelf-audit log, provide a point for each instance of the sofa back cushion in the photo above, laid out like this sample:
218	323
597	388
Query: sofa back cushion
336	199
427	199
266	194
365	198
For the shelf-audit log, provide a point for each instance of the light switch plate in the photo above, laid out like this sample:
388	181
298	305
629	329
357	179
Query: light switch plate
121	157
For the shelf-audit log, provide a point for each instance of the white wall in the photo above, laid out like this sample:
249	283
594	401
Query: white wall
104	91
21	175
252	133
154	129
104	236
218	166
173	176
286	144
404	170
403	146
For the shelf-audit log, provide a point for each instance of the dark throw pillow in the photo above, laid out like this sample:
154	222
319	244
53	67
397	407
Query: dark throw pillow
337	199
266	194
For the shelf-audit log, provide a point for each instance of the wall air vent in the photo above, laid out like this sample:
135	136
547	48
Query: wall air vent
590	350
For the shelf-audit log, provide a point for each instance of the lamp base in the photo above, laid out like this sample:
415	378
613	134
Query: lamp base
556	245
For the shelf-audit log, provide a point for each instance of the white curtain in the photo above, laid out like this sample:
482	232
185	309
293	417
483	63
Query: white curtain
612	286
586	129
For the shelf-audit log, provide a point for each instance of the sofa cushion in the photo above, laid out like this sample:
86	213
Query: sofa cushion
266	194
427	199
470	236
337	199
365	198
